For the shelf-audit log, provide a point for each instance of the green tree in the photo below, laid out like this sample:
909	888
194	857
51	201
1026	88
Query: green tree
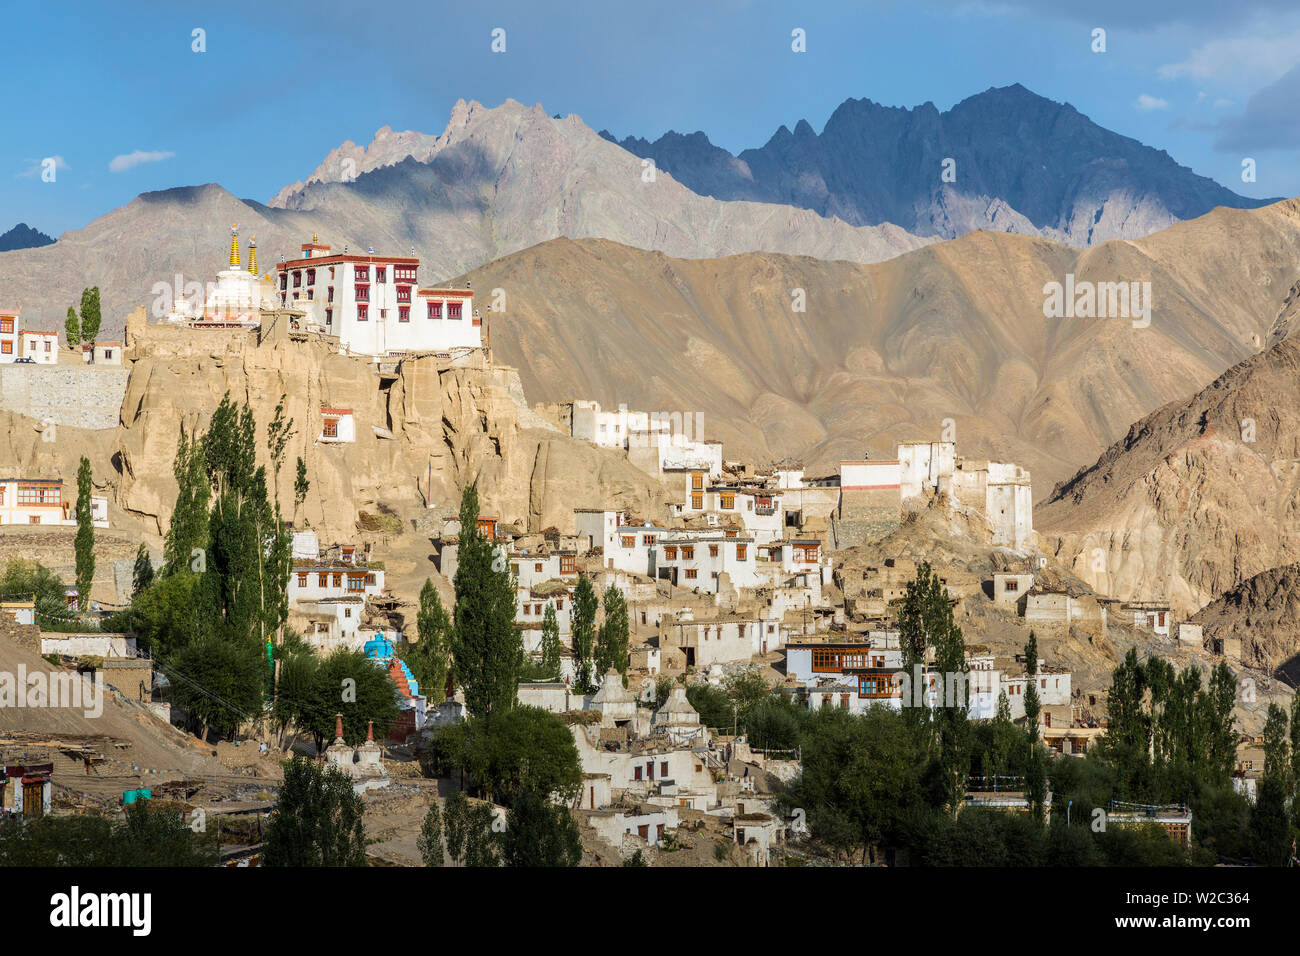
486	646
551	646
142	575
430	657
539	833
583	629
300	487
84	544
25	579
187	532
501	753
611	644
471	839
296	691
90	315
1032	705
1269	827
430	839
217	682
72	328
317	819
1277	756
348	683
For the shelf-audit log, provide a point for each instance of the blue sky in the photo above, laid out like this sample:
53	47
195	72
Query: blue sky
115	93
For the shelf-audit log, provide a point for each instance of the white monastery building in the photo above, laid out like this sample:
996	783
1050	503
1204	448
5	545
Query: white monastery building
373	303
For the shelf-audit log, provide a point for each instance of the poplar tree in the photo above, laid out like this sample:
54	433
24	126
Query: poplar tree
1033	707
487	649
90	315
925	623
611	643
72	328
142	574
188	529
430	658
583	627
84	544
551	646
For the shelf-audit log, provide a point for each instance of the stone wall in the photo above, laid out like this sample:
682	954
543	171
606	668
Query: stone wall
82	396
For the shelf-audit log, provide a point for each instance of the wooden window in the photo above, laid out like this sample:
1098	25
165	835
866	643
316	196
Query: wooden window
731	534
311	276
338	579
567	563
741	551
329	316
628	540
331	428
697	481
323	580
691	574
329	293
697	502
559	604
636	773
643	831
356	582
6	348
284	281
647	539
537	567
403	293
728	500
7	325
713	550
688	552
403	313
1012	586
380	272
435	310
363	313
362	290
670	553
302	579
297	279
453	310
663	772
363	273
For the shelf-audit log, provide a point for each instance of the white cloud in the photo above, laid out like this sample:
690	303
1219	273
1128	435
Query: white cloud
1243	61
1147	103
120	164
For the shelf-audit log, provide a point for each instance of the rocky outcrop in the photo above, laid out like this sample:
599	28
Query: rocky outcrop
1198	497
1263	613
424	430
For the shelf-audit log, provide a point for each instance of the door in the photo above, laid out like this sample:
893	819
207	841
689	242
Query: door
33	798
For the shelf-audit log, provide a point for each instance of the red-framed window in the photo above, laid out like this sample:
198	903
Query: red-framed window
363	273
311	276
404	273
403	313
329	293
380	272
329	316
453	310
435	310
363	313
362	290
403	293
297	279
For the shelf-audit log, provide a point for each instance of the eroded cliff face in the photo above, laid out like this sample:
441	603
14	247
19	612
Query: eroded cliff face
424	429
1197	498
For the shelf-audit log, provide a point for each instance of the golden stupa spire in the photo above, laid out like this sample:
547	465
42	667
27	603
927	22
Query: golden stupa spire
252	255
234	245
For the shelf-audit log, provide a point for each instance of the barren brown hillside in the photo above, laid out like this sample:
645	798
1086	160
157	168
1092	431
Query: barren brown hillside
1198	496
955	330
